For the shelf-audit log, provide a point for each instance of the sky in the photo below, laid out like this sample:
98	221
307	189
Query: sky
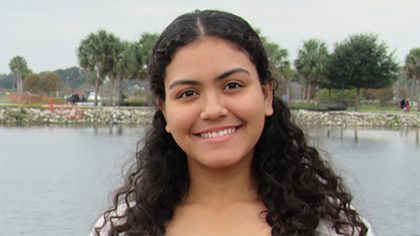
47	32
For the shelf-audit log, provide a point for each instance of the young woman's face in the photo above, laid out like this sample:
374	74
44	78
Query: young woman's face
215	106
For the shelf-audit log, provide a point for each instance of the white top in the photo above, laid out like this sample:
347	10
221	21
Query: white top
324	229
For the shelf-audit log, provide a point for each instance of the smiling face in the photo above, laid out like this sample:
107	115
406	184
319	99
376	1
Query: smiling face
214	105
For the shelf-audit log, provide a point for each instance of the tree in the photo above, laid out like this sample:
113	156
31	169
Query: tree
32	83
311	63
142	54
49	82
127	66
362	61
71	77
145	47
114	52
278	62
6	81
412	67
19	69
96	53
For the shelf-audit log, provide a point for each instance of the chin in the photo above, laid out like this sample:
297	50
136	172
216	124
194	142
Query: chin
220	162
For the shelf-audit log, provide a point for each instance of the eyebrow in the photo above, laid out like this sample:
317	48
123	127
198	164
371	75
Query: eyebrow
219	77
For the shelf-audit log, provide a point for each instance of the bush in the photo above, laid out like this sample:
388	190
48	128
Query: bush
338	96
134	102
296	105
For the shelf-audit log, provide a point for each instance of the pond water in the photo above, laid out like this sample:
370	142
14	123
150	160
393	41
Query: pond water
57	180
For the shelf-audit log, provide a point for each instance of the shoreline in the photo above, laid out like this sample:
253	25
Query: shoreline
79	115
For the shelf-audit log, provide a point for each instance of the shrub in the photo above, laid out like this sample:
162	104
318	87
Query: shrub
346	96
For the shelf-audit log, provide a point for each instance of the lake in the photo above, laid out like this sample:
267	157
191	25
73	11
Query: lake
57	180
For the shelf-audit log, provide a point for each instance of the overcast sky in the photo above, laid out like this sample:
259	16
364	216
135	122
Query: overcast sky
47	32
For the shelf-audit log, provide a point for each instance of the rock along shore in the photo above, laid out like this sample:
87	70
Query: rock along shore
143	116
76	115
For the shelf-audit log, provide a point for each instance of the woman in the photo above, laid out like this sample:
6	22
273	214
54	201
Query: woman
223	156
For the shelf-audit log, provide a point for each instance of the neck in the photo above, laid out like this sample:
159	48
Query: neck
218	187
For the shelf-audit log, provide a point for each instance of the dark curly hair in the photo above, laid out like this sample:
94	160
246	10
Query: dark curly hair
297	187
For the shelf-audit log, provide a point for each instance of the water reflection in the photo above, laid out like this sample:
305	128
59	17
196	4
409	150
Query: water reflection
55	180
381	168
117	129
411	135
53	177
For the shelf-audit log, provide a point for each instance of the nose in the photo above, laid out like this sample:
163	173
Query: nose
213	107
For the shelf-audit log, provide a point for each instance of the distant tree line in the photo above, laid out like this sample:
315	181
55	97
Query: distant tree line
359	62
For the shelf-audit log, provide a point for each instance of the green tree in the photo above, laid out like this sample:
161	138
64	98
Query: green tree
19	69
6	81
114	52
144	49
73	76
412	67
49	82
312	63
128	65
32	83
362	61
96	53
278	62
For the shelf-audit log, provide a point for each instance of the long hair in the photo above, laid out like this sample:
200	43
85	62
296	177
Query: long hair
298	189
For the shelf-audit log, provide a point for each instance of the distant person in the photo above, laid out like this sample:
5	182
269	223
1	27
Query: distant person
402	104
223	155
407	106
74	98
83	98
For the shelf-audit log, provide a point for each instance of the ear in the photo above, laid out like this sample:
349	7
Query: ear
161	105
268	98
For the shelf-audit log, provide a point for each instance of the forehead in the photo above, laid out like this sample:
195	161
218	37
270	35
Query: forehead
207	56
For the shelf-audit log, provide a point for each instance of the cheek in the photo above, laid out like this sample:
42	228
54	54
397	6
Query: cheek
179	119
250	106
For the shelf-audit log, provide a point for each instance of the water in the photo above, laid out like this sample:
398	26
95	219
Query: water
382	169
56	181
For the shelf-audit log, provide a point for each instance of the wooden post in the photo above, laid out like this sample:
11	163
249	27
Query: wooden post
51	104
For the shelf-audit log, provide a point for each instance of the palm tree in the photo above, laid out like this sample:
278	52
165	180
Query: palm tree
128	65
96	53
19	69
145	46
311	63
279	63
115	49
412	66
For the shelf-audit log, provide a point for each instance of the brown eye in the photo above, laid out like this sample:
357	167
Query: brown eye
187	93
232	85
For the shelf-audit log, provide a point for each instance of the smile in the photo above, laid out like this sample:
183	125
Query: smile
219	133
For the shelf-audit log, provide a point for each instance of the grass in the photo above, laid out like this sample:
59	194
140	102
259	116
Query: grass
375	108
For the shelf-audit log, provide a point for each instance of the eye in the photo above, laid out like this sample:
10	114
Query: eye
187	93
233	85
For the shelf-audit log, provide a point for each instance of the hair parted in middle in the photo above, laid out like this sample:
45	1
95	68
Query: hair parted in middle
295	184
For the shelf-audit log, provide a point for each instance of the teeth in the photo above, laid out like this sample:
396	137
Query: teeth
218	133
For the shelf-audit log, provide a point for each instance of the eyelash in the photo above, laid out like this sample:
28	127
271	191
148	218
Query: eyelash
187	93
236	84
